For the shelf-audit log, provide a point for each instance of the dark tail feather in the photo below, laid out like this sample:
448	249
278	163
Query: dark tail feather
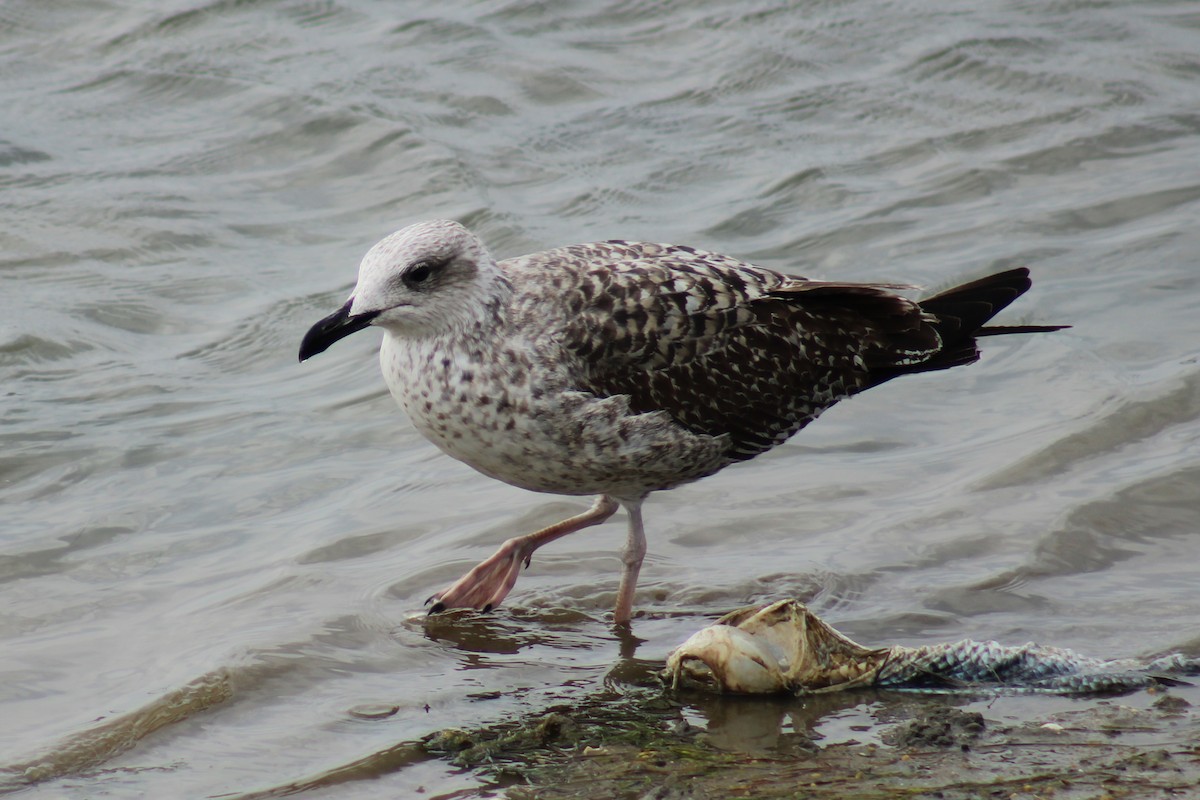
966	309
961	315
1004	330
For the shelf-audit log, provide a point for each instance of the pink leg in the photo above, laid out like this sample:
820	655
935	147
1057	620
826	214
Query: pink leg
631	557
487	584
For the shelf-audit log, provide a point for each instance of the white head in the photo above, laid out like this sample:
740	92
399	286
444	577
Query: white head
423	280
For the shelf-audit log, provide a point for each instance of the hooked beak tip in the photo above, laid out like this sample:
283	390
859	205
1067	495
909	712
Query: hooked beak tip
337	325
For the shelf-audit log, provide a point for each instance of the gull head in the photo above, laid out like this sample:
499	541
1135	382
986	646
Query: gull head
427	279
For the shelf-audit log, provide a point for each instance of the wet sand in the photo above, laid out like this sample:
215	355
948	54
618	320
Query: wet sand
641	746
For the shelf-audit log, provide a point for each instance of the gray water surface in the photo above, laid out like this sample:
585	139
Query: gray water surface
187	186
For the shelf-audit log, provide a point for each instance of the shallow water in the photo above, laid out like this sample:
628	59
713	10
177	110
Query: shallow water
187	187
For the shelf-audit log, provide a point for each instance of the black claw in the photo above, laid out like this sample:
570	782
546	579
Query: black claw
429	599
528	560
487	608
437	607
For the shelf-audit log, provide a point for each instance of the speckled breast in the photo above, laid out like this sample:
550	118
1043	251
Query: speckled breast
530	429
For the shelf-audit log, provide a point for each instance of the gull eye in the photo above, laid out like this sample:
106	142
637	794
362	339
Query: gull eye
418	273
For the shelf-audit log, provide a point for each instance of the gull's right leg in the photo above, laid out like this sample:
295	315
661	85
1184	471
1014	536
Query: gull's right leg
490	582
631	558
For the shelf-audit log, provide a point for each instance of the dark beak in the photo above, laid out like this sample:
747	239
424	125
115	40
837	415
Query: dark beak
337	325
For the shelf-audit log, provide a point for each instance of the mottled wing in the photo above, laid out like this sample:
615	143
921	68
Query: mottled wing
727	348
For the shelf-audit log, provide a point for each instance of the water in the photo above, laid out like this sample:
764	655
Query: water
186	187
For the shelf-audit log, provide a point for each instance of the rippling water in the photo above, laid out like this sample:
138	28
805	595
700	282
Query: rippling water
192	520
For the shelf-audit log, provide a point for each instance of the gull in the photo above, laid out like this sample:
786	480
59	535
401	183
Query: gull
620	368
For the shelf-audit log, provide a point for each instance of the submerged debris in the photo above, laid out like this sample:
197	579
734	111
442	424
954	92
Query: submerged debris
944	726
631	744
784	647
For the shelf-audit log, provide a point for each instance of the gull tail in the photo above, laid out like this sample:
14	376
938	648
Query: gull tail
962	313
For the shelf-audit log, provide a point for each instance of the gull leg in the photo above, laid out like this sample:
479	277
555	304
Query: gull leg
487	584
631	557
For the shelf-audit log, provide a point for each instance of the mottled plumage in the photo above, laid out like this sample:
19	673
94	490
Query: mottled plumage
621	368
724	348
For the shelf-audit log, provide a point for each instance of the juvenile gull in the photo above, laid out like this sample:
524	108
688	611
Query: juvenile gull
620	368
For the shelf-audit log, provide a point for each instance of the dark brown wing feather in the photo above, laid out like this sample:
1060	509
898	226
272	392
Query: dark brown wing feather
726	348
960	316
